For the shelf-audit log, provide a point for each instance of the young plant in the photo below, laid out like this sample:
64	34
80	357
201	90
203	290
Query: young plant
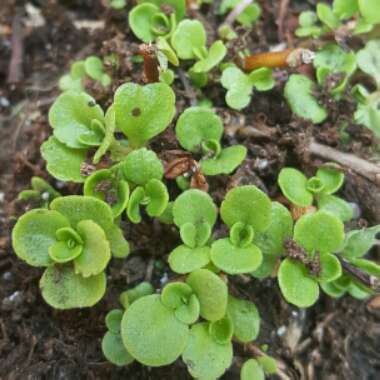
246	210
194	213
199	130
41	193
257	368
303	192
91	68
310	258
247	18
74	240
239	85
151	19
299	92
368	109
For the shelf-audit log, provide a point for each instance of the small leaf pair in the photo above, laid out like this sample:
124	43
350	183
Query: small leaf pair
74	240
246	210
92	67
258	368
247	18
302	191
155	18
199	130
194	213
240	85
318	235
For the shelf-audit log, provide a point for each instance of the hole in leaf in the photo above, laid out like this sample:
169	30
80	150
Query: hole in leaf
136	112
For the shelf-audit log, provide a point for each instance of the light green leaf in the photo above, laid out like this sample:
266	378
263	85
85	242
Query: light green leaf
262	79
296	285
345	9
214	56
211	291
330	267
140	21
113	320
222	330
370	10
63	163
151	332
96	250
299	94
63	289
327	16
320	231
245	318
369	59
62	251
184	259
235	260
158	196
251	369
204	357
331	178
249	205
133	209
143	112
368	113
337	206
114	350
34	233
119	246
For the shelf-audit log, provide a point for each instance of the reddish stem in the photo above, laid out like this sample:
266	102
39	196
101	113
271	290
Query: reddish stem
151	72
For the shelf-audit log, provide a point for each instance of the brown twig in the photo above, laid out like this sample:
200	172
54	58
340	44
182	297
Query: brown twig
15	69
237	11
363	167
151	64
277	59
284	5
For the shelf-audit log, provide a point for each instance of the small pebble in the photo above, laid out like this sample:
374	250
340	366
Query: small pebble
281	330
7	276
15	299
45	196
4	102
2	197
164	279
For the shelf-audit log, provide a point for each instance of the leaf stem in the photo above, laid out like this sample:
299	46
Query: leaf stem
151	72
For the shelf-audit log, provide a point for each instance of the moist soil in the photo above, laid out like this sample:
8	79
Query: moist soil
335	339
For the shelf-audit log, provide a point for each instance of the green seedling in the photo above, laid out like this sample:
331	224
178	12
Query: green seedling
194	213
117	4
91	68
246	210
151	19
40	194
368	109
334	67
144	171
303	191
338	17
239	85
311	258
356	245
299	92
199	130
74	240
247	18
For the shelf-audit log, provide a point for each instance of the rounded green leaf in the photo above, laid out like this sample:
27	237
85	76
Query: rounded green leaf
140	21
321	231
114	350
241	235
194	206
158	196
34	233
152	333
142	165
262	79
249	205
336	206
267	267
299	94
188	38
228	160
189	313
204	357
175	294
331	178
369	59
94	67
314	185
133	209
235	260
330	289
105	185
296	285
211	291
96	249
345	9
63	289
327	16
214	56
195	236
143	112
251	369
197	125
119	246
293	185
71	116
370	10
63	163
63	251
131	295
239	87
245	319
184	259
271	241
330	267
113	320
178	6
222	330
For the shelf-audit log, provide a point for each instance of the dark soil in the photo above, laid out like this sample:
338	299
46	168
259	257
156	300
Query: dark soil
333	340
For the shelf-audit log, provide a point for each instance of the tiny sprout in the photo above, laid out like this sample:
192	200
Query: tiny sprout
251	369
299	94
302	191
239	85
142	112
200	130
117	4
247	18
75	239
